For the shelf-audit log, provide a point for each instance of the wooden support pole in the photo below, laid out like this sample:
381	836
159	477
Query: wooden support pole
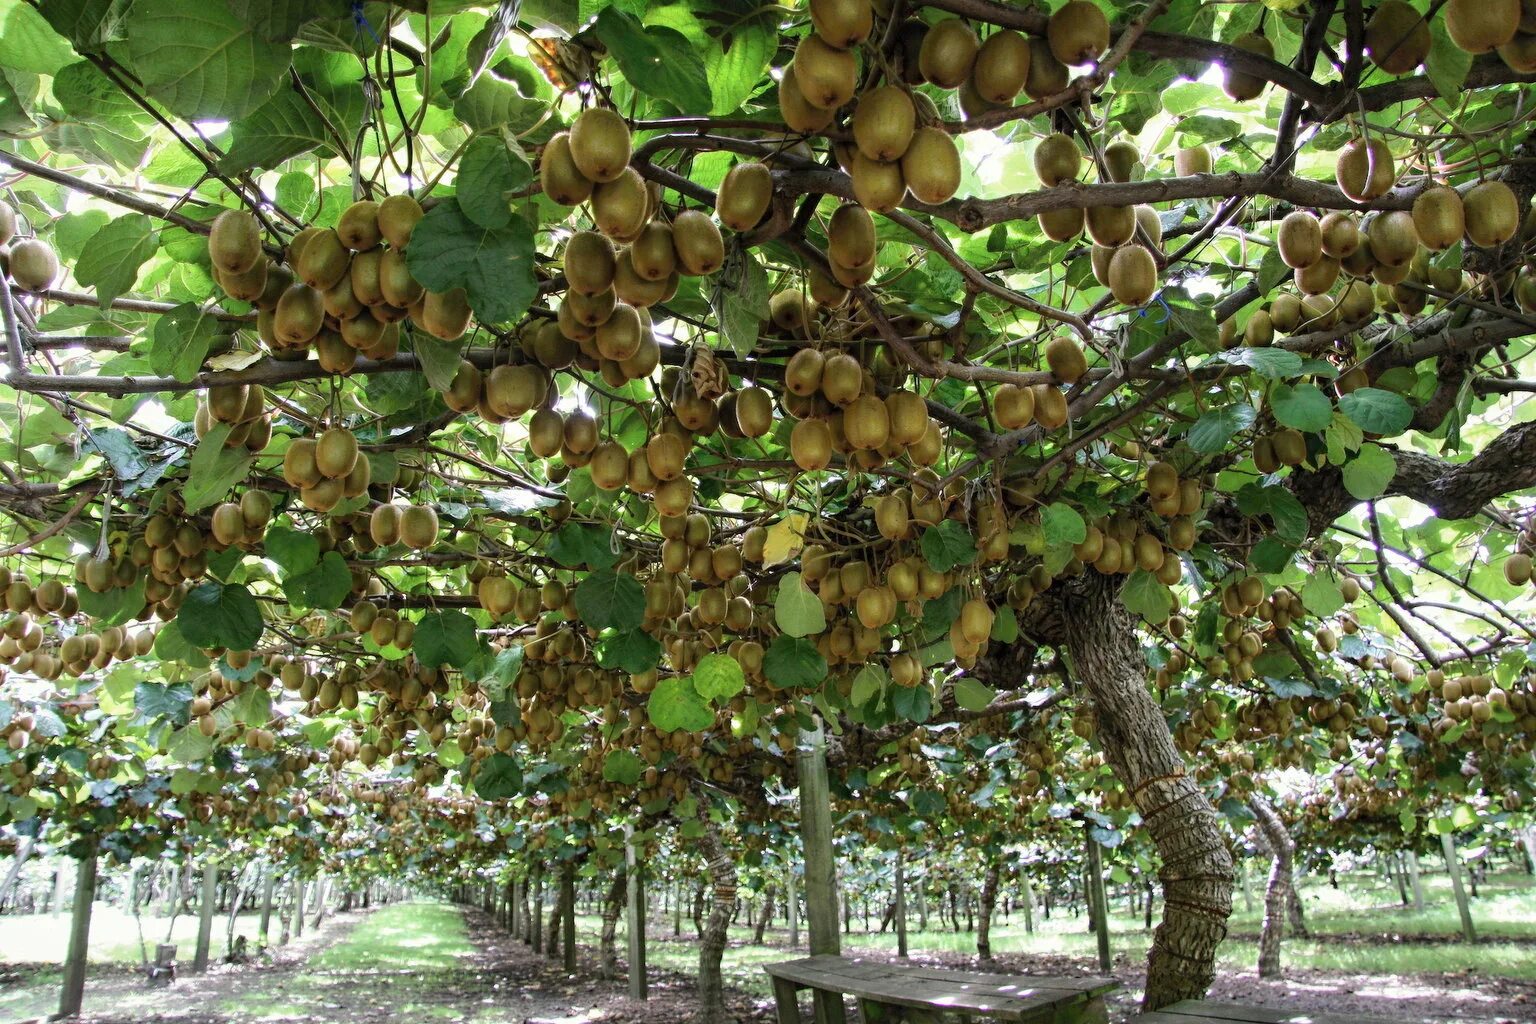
537	931
205	904
821	902
634	921
72	992
1098	904
268	885
1453	865
792	907
298	908
568	913
901	904
1413	879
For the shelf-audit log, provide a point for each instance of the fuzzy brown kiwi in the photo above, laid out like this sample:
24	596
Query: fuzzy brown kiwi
803	372
247	287
418	526
810	445
948	53
843	24
398	217
1299	239
358	226
1120	160
883	122
1341	234
619	336
652	256
696	240
299	468
1057	158
1062	225
1078	32
930	167
1111	226
1478	26
335	452
877	185
445	315
744	195
299	315
1050	406
340	302
1238	85
1492	213
827	76
323	260
1001	66
589	263
600	144
797	112
7	223
1438	217
1520	53
1397	37
792	311
1393	237
621	205
1365	169
464	392
559	177
1132	275
234	242
867	423
1065	358
33	265
850	235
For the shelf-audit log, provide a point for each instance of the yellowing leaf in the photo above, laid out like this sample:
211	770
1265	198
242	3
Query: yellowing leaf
785	539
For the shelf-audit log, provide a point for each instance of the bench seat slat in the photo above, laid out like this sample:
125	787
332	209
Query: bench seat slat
1190	1011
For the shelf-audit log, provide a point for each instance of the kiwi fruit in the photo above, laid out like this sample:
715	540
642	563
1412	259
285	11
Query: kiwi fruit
1341	234
1243	87
1047	75
791	311
299	467
397	219
1259	331
340	302
827	76
652	256
335	452
744	195
358	226
1319	277
1365	169
234	242
589	263
867	423
1393	238
810	445
1492	213
397	284
418	527
1050	406
300	314
948	53
802	374
1299	239
1120	160
1397	37
464	393
1290	448
1013	406
619	336
1057	159
931	166
883	122
1078	32
445	315
1001	66
323	260
599	144
842	378
1520	53
1062	225
1111	226
1478	26
842	24
1192	160
697	242
34	266
878	186
1132	275
797	113
1438	217
621	205
851	235
247	287
7	223
1150	225
1065	358
559	177
226	402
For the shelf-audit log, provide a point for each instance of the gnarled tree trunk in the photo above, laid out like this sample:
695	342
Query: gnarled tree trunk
1277	895
984	914
722	876
608	957
767	915
1099	634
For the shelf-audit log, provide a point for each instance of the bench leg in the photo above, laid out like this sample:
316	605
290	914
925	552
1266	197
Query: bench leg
829	1008
786	1005
1092	1012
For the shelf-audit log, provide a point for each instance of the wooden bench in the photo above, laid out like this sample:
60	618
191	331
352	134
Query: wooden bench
1206	1011
889	992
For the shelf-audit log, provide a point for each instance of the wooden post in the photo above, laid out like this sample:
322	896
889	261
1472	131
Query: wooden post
72	993
568	913
1029	901
1453	865
634	921
1413	879
205	916
1098	904
298	908
821	901
1242	875
901	905
792	908
266	903
538	909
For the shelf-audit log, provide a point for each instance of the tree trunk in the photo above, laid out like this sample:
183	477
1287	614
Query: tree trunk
536	912
639	988
1098	907
608	954
72	992
1453	865
1277	895
698	910
722	876
552	938
23	853
269	883
568	914
1413	880
984	914
900	905
769	893
1029	902
1293	910
1099	634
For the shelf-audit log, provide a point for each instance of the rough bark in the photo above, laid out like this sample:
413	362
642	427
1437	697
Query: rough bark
984	914
1089	623
722	877
608	956
1277	895
769	894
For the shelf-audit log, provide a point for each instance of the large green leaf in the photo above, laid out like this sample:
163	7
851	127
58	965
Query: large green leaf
200	60
488	170
1304	407
1368	473
280	129
793	662
631	650
1377	411
500	777
610	600
796	610
214	469
718	677
220	615
675	705
495	268
656	60
947	545
323	586
111	260
29	43
445	638
180	341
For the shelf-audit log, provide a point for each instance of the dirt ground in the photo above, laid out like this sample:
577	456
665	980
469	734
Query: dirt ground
505	982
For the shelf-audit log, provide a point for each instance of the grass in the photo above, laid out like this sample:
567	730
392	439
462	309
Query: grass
43	938
405	936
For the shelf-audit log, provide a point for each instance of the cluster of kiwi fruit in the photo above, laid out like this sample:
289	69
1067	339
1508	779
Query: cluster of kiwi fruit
838	409
1517	567
327	468
31	263
241	407
341	292
1016	406
1397	37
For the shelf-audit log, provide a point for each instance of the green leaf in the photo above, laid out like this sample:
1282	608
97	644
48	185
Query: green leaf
279	130
495	268
1368	473
445	638
793	662
1005	625
1342	437
1271	555
1272	270
633	651
740	301
296	193
1321	595
973	695
189	746
610	600
797	611
578	544
220	615
154	701
500	778
86	23
439	359
947	545
29	43
1215	430
200	60
325	586
735	66
1376	411
1304	407
1060	523
622	767
494	104
869	684
488	171
1447	64
1199	324
657	61
281	19
127	461
180	341
718	677
501	672
114	607
85	92
171	646
295	551
214	469
915	704
1145	595
675	705
1275	501
1274	363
